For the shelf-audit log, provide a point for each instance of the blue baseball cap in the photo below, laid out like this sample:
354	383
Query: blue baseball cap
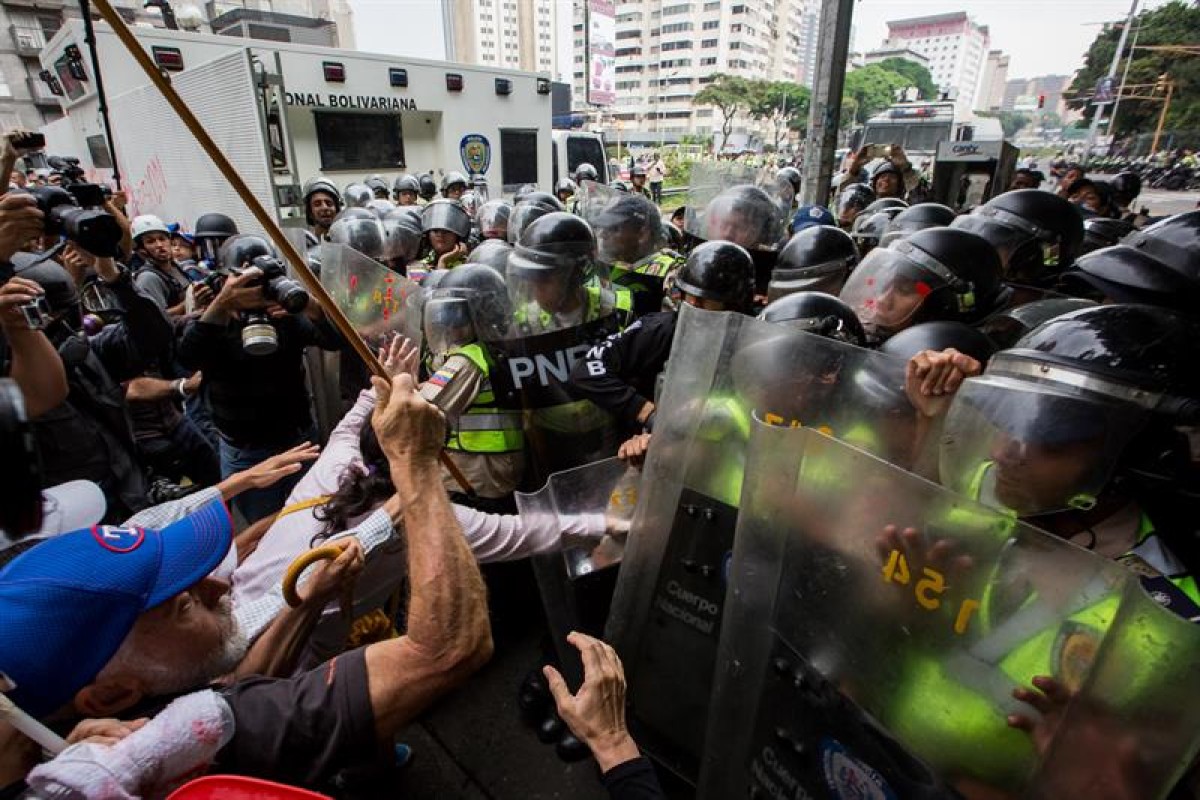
808	216
68	603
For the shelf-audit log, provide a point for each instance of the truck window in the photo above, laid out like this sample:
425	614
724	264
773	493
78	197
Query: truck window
518	158
581	149
554	163
925	138
359	141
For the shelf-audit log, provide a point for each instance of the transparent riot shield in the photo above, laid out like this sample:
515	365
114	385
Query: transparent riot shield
603	496
377	301
879	625
725	369
737	203
322	367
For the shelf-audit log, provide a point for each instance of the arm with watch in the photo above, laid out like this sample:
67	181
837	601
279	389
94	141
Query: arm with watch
147	389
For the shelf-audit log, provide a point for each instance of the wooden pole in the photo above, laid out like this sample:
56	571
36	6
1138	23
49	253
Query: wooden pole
1162	116
268	222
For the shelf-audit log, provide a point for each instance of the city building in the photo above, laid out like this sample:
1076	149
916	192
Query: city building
994	83
666	51
513	34
884	53
1027	94
956	48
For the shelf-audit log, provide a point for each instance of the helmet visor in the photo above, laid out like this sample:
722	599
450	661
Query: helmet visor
364	235
402	238
520	218
888	289
492	219
1007	240
447	322
1031	448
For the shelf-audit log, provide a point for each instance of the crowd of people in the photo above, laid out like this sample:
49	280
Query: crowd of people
166	468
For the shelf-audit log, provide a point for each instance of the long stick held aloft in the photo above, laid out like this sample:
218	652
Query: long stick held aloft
265	219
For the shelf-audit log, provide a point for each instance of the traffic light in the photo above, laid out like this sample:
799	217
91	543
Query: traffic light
1161	84
1041	101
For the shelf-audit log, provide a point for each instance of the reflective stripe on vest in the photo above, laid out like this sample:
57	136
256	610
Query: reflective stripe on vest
484	428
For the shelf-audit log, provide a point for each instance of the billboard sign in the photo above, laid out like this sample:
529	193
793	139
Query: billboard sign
602	52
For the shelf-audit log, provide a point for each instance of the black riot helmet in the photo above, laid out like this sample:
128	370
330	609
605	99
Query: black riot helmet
885	203
1036	233
1175	241
469	302
851	201
792	176
378	186
917	218
940	335
586	172
1005	327
1123	274
819	313
493	253
673	237
1101	232
238	251
745	215
531	206
406	183
212	230
364	234
628	228
555	243
59	289
428	186
870	226
1126	186
816	259
446	215
452	180
719	271
1099	390
937	273
314	185
402	236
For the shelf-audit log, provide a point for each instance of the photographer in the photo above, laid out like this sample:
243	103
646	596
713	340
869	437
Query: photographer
250	349
160	277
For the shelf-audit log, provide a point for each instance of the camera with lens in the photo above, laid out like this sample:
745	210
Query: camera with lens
245	251
67	166
77	212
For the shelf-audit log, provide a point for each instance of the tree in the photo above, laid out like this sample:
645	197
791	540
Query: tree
873	89
1010	121
782	105
728	94
1176	23
917	76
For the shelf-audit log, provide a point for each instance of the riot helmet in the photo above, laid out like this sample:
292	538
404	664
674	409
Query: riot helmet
1123	274
586	172
493	253
819	313
406	184
937	273
239	251
745	215
378	186
1174	241
492	219
402	236
892	186
211	231
324	186
453	185
428	186
530	207
468	302
470	203
673	237
1036	233
1005	327
523	191
565	189
810	216
917	218
380	207
1049	422
792	176
893	204
446	215
1126	186
552	261
364	234
816	259
869	227
1101	232
720	272
940	335
851	201
357	195
628	229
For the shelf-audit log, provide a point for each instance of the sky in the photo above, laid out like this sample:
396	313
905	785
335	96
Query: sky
1043	37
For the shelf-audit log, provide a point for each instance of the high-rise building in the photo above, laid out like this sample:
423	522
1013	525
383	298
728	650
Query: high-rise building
325	22
1025	94
995	78
807	35
668	50
955	46
513	34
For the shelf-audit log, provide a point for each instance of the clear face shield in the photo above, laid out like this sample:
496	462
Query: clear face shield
1032	448
364	235
357	195
1023	253
888	289
628	230
492	219
448	323
748	219
401	238
521	216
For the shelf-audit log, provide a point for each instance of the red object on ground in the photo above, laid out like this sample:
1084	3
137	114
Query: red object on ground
236	787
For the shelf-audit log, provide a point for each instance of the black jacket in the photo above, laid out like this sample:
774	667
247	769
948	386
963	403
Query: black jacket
256	400
619	374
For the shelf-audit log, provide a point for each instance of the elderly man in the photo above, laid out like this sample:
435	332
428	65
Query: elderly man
107	621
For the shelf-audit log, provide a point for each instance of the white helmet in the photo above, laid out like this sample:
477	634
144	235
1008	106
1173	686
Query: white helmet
147	223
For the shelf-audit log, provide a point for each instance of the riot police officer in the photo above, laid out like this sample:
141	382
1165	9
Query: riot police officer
453	185
446	227
585	172
492	253
492	220
357	195
359	230
819	313
565	190
428	186
1101	232
851	201
816	259
322	203
869	226
916	218
378	186
485	440
529	207
406	190
637	180
937	273
620	374
1036	233
402	238
629	240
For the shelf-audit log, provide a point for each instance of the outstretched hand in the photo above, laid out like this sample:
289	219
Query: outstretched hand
400	356
931	378
408	426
